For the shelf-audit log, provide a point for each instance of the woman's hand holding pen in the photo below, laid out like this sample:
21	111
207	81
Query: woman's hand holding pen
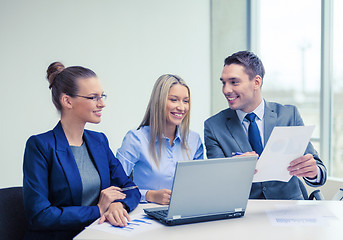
158	196
115	212
107	196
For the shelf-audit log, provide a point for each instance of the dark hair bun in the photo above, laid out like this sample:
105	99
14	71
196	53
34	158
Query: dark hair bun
53	70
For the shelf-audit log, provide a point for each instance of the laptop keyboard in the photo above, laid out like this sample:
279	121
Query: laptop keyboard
161	213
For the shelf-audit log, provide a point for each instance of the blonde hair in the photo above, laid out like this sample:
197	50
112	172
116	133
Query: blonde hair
155	115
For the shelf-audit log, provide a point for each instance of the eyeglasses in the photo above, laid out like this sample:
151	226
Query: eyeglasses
93	98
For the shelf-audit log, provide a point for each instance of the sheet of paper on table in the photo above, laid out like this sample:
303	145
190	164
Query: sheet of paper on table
284	145
139	223
302	215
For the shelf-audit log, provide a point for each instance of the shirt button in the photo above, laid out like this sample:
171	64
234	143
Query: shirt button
264	189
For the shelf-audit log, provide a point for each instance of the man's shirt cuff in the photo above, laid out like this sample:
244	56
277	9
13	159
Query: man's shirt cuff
315	180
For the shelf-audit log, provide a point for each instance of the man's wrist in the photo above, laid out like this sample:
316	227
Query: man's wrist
317	178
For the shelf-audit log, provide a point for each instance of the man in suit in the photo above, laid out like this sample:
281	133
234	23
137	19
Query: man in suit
228	131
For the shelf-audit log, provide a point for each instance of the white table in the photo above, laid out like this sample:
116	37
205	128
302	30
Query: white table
254	225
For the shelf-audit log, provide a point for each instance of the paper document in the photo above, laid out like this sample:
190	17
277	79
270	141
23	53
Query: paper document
139	223
301	215
284	145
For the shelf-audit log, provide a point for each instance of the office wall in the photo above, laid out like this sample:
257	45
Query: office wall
229	34
129	44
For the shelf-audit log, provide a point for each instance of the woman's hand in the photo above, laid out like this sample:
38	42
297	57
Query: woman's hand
107	196
116	215
158	196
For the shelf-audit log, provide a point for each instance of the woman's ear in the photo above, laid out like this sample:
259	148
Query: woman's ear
66	101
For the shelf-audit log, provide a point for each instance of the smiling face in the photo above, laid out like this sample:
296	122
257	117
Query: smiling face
177	105
88	110
241	92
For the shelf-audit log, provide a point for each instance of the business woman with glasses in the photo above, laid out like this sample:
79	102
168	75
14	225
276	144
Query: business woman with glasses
71	176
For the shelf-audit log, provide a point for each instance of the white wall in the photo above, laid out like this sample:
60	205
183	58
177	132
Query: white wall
129	44
229	30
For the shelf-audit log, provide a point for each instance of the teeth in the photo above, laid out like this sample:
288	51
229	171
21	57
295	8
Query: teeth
232	98
178	114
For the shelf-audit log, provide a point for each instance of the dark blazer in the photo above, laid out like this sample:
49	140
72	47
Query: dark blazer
52	184
224	134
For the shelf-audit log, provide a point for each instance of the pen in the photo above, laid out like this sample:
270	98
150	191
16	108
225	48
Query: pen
236	153
128	188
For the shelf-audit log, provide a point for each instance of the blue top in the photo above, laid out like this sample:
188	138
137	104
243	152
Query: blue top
134	154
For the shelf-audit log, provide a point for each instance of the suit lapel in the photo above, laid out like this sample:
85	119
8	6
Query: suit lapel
237	132
98	154
67	161
270	120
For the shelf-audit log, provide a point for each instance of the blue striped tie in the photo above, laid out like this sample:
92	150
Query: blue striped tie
254	134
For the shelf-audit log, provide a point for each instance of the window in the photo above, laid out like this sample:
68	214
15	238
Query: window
289	48
288	41
337	91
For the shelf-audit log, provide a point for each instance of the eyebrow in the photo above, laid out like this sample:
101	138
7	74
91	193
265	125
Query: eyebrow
175	96
96	93
230	79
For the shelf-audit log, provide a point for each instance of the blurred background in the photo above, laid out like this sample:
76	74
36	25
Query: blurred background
129	44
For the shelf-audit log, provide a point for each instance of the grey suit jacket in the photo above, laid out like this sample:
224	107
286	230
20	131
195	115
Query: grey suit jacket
224	135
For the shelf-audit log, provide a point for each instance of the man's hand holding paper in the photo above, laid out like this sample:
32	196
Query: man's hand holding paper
304	166
283	156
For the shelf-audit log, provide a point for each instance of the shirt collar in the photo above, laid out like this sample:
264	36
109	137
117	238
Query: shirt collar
177	135
259	111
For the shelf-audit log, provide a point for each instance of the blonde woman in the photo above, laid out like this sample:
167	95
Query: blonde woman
162	139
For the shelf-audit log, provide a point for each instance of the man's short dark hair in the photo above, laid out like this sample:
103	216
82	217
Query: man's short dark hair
252	64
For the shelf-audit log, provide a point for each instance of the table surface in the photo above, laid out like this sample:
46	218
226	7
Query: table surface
254	225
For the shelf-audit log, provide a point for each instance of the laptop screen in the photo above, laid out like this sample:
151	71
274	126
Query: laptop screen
206	187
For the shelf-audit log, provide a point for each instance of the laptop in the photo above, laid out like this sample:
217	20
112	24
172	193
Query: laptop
205	190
